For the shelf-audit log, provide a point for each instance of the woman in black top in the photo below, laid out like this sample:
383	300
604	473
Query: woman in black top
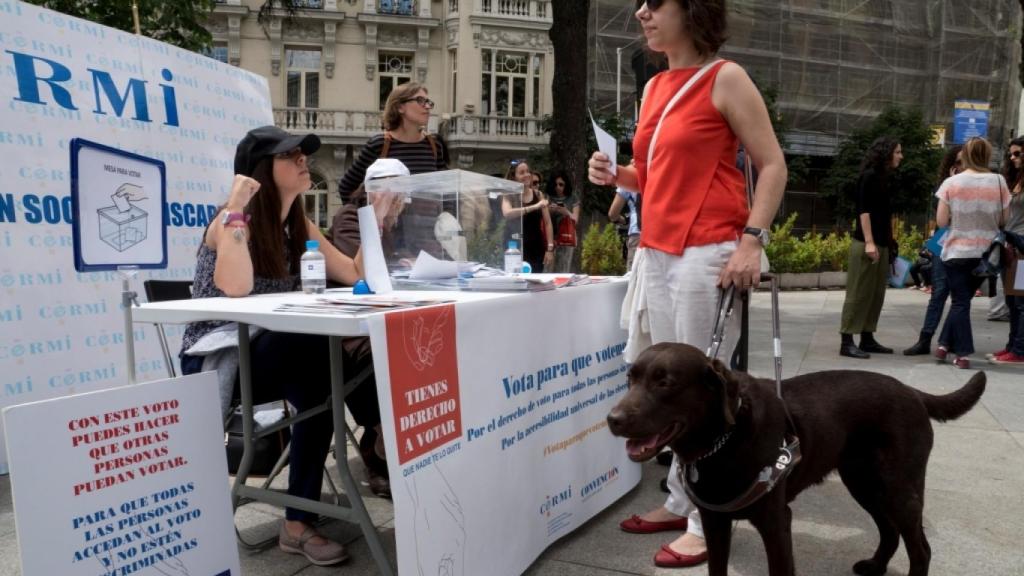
563	205
869	252
537	239
405	138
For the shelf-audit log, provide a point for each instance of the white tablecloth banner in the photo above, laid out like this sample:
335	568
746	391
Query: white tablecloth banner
60	77
494	418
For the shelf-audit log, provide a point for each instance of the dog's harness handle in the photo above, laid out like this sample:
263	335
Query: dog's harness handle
789	456
789	451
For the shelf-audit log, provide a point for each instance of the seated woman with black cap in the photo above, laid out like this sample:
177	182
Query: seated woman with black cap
253	246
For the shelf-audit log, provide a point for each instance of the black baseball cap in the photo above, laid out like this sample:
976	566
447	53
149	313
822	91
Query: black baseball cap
267	141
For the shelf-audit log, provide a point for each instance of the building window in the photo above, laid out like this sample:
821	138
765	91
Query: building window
453	57
217	51
310	4
510	85
315	200
399	7
303	87
394	68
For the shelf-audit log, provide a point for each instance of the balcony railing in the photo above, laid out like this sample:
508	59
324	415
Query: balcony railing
397	7
514	8
328	122
496	129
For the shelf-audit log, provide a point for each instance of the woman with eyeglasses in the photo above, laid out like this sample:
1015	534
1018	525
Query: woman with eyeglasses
1013	352
537	238
975	205
950	166
698	234
253	246
405	138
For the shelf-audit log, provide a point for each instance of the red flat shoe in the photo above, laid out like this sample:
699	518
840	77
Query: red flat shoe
669	558
637	525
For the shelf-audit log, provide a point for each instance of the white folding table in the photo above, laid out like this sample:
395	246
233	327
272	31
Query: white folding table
260	311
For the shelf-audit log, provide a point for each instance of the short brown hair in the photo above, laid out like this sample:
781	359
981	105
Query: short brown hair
706	22
977	154
397	97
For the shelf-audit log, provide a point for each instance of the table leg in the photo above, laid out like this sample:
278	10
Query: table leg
341	457
245	386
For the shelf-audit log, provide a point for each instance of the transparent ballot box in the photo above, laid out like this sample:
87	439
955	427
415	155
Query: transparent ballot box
453	216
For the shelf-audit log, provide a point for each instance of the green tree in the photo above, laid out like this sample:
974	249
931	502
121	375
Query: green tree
911	186
177	22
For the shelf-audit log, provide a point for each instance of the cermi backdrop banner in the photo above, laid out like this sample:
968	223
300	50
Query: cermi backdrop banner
62	332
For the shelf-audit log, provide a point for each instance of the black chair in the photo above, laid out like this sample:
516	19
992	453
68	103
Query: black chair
162	291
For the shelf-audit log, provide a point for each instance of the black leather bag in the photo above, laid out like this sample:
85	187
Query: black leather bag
992	259
268	448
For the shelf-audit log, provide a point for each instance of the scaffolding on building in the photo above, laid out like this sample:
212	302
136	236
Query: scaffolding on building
836	64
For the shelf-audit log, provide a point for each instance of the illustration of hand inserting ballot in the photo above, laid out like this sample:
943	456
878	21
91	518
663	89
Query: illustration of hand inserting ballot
124	224
439	522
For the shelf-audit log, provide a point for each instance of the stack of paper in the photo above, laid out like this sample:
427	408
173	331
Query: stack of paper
509	284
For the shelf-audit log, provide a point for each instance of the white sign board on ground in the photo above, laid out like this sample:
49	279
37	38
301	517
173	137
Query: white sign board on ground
129	480
61	331
495	425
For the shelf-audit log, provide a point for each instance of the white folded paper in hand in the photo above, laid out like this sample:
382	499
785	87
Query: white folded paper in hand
374	264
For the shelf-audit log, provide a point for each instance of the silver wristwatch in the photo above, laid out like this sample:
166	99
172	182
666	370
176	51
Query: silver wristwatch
761	234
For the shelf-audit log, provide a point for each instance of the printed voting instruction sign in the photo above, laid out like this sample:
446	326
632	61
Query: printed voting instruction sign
117	199
126	481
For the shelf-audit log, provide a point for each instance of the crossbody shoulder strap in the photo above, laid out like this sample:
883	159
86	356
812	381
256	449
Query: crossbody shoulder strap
668	107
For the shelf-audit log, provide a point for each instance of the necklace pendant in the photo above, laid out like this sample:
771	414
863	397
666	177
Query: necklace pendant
694	476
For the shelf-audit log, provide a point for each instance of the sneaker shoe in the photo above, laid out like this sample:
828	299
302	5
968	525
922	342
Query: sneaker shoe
327	554
962	362
1008	358
992	355
941	352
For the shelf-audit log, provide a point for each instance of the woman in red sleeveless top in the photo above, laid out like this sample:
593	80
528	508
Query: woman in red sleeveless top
698	233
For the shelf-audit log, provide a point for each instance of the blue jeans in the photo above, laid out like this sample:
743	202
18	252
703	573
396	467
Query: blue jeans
956	335
940	291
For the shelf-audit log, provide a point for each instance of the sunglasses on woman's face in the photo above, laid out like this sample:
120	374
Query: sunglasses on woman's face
652	5
1015	154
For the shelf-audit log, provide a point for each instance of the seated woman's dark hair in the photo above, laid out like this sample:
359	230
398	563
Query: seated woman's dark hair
266	231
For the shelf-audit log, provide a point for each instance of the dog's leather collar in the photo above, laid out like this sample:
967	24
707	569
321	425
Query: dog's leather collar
767	479
720	442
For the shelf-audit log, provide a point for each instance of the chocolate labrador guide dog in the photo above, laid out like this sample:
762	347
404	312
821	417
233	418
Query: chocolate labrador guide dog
875	430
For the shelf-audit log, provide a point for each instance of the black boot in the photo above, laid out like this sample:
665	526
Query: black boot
921	348
849	349
868	344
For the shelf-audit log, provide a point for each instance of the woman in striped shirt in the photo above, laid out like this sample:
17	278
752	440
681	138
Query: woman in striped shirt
405	138
974	204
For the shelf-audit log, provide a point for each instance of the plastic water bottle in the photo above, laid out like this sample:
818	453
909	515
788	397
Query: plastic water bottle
314	269
513	258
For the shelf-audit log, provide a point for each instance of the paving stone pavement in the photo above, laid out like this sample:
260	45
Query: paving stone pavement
974	506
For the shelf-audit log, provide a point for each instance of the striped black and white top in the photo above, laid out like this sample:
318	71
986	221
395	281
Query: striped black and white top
418	157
